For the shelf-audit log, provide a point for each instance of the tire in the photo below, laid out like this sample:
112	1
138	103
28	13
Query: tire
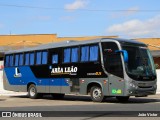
32	92
122	98
97	94
57	96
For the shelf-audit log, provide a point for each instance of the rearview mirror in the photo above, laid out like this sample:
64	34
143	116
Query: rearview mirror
125	54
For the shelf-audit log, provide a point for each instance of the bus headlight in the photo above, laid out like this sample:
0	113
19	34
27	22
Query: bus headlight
133	85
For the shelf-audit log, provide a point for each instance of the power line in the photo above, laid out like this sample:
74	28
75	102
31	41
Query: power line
96	10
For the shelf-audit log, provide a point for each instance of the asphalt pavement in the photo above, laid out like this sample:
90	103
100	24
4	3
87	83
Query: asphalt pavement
81	107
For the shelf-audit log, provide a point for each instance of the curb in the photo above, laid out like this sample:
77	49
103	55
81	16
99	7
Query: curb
8	93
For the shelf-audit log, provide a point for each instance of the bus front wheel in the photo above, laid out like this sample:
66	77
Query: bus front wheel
32	92
97	94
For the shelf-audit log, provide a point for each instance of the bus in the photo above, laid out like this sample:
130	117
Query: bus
104	67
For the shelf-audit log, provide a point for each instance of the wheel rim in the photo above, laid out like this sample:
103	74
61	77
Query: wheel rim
32	91
97	93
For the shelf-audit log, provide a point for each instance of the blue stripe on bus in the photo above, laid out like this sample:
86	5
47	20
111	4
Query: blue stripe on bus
27	76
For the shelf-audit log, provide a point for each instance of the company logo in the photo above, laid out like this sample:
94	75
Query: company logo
17	73
64	70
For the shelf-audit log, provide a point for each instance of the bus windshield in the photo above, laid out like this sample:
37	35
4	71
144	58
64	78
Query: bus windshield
140	63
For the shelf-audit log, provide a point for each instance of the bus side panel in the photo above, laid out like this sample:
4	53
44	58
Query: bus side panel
58	85
17	79
8	86
86	82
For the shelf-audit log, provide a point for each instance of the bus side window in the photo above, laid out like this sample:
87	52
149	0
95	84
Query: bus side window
16	59
74	55
7	60
54	58
21	59
38	58
11	60
26	58
31	58
93	56
84	53
67	55
44	57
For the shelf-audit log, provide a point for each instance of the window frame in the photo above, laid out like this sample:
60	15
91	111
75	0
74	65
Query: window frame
52	58
70	47
22	59
46	57
89	45
30	57
36	57
63	56
14	64
25	58
97	54
7	64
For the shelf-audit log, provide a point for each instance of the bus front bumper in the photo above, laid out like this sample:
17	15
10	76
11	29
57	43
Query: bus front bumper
138	91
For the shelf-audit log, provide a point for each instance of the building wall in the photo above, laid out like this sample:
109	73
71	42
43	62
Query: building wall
157	61
151	42
33	39
9	40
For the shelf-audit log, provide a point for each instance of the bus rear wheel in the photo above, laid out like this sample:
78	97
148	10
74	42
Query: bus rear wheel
32	92
97	94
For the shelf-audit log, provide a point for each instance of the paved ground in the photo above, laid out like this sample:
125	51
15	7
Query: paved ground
78	103
22	100
81	103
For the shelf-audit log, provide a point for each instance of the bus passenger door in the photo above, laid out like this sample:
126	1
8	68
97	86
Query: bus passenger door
116	77
116	86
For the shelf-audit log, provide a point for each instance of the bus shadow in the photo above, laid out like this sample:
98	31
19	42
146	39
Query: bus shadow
132	100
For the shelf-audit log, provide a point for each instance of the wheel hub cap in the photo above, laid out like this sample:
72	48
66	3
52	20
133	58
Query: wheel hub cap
32	91
97	93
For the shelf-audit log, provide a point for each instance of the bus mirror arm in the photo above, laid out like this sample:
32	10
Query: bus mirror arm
125	54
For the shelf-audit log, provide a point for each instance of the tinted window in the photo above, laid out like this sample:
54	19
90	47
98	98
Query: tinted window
21	59
11	60
67	55
44	57
31	58
84	53
16	60
93	56
7	61
54	58
74	55
112	60
38	58
26	58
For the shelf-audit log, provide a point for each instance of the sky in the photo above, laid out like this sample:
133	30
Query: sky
71	18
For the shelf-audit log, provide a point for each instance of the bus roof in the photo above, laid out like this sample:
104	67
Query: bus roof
71	43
